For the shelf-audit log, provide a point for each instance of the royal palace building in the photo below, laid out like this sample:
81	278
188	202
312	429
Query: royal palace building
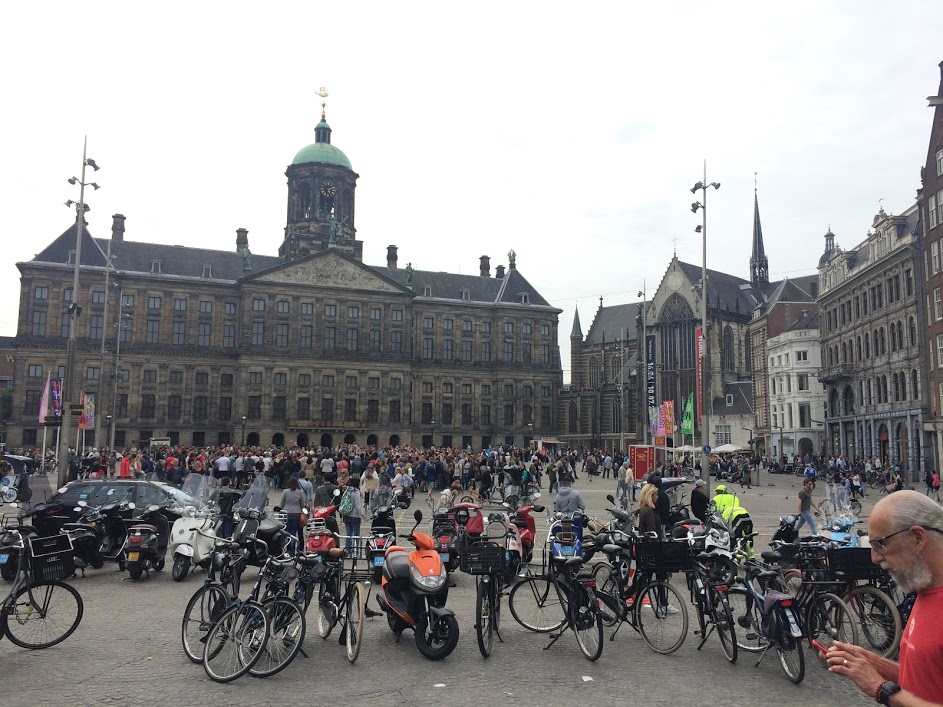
309	346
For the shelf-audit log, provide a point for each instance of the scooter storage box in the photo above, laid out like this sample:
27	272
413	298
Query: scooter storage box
51	558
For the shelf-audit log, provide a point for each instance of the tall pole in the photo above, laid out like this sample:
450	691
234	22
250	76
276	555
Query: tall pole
645	420
114	388
706	393
68	392
622	394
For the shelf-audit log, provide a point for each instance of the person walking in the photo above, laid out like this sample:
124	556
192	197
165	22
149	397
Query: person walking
648	519
351	510
805	504
292	502
906	531
699	501
568	499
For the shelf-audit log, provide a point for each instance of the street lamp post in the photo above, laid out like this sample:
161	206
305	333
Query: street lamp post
705	358
68	392
432	438
243	430
119	325
643	343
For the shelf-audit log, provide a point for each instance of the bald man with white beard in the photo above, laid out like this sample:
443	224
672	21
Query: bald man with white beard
906	534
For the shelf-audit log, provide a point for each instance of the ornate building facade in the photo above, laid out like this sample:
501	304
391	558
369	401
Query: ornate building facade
869	310
311	346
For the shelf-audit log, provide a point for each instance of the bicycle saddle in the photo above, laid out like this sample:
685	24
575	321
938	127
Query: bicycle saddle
573	562
611	549
771	555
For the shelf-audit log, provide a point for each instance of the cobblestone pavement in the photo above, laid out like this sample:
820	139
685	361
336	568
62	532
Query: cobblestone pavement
127	650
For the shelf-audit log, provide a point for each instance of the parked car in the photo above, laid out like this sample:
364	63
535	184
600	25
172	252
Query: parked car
60	508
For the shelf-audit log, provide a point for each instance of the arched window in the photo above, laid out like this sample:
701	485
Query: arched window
884	396
867	346
572	419
748	347
858	348
844	352
870	393
833	407
900	335
593	372
726	351
616	418
896	385
912	324
914	385
893	339
903	385
849	401
883	343
829	355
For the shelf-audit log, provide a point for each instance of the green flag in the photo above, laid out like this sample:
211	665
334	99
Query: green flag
687	417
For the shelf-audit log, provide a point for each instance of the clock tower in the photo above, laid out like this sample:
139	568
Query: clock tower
321	185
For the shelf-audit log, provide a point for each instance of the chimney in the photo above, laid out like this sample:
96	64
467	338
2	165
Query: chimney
485	266
242	239
117	228
391	257
499	272
805	313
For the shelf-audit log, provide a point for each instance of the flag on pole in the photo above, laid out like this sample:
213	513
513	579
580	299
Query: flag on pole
687	417
653	420
669	415
57	397
82	416
44	403
89	411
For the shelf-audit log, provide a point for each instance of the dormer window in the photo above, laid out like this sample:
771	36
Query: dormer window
207	271
466	295
427	290
729	399
70	258
525	298
155	267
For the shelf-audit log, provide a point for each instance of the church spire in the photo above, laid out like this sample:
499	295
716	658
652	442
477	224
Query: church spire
759	265
577	332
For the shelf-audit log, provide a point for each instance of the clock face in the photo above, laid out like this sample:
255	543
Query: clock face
673	281
328	189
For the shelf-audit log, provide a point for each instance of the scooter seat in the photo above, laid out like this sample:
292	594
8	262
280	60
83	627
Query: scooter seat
396	564
268	529
144	527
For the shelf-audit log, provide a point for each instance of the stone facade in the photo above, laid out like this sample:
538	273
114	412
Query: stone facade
869	311
311	346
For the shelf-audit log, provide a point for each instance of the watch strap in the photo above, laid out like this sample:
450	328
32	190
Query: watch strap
887	689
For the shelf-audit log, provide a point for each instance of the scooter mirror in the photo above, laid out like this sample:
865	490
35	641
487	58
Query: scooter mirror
418	516
153	507
131	505
611	499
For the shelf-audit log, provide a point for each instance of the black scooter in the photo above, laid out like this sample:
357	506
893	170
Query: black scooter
148	537
258	535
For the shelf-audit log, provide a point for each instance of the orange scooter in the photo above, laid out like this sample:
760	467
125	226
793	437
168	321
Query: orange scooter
414	589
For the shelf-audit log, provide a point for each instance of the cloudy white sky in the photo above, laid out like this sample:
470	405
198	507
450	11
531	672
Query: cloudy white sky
568	132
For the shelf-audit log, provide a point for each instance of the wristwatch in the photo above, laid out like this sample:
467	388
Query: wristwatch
887	689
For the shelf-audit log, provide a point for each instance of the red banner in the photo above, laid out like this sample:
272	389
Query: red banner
699	336
642	460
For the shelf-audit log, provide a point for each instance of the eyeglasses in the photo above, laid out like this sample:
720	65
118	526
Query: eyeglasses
880	544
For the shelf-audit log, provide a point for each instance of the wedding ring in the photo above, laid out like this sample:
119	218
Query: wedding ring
846	661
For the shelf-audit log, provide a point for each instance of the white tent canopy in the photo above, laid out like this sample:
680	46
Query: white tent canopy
728	449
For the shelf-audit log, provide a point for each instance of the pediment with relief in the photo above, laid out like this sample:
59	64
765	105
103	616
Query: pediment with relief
330	271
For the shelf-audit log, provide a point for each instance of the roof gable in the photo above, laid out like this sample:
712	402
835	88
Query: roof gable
329	268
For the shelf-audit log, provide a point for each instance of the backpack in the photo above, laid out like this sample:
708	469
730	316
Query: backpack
347	503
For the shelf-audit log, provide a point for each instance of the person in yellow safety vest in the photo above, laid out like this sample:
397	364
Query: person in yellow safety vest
736	516
724	501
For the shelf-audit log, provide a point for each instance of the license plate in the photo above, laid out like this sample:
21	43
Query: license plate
377	561
566	550
133	556
4	558
444	556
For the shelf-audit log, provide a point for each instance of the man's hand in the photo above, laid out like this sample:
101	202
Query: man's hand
857	664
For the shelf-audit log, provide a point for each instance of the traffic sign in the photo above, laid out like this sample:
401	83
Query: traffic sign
706	448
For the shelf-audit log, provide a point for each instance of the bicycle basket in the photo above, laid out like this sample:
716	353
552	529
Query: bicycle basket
662	557
483	558
51	558
854	563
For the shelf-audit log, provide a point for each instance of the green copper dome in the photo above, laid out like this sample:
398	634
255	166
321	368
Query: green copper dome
322	151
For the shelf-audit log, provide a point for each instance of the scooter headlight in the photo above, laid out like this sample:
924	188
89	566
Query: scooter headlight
432	581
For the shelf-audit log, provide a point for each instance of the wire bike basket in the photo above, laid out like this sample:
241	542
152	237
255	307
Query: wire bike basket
51	558
662	557
483	558
853	563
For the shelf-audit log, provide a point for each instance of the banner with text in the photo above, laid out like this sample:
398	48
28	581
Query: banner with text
56	390
699	335
669	416
650	372
687	417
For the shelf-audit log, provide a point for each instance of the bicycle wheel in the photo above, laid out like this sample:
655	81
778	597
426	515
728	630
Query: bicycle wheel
356	607
746	614
327	610
662	617
879	618
855	506
793	582
484	616
235	642
535	605
792	658
42	615
724	625
828	619
286	634
586	621
203	609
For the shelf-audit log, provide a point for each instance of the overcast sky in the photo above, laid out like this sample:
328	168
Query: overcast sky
568	132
